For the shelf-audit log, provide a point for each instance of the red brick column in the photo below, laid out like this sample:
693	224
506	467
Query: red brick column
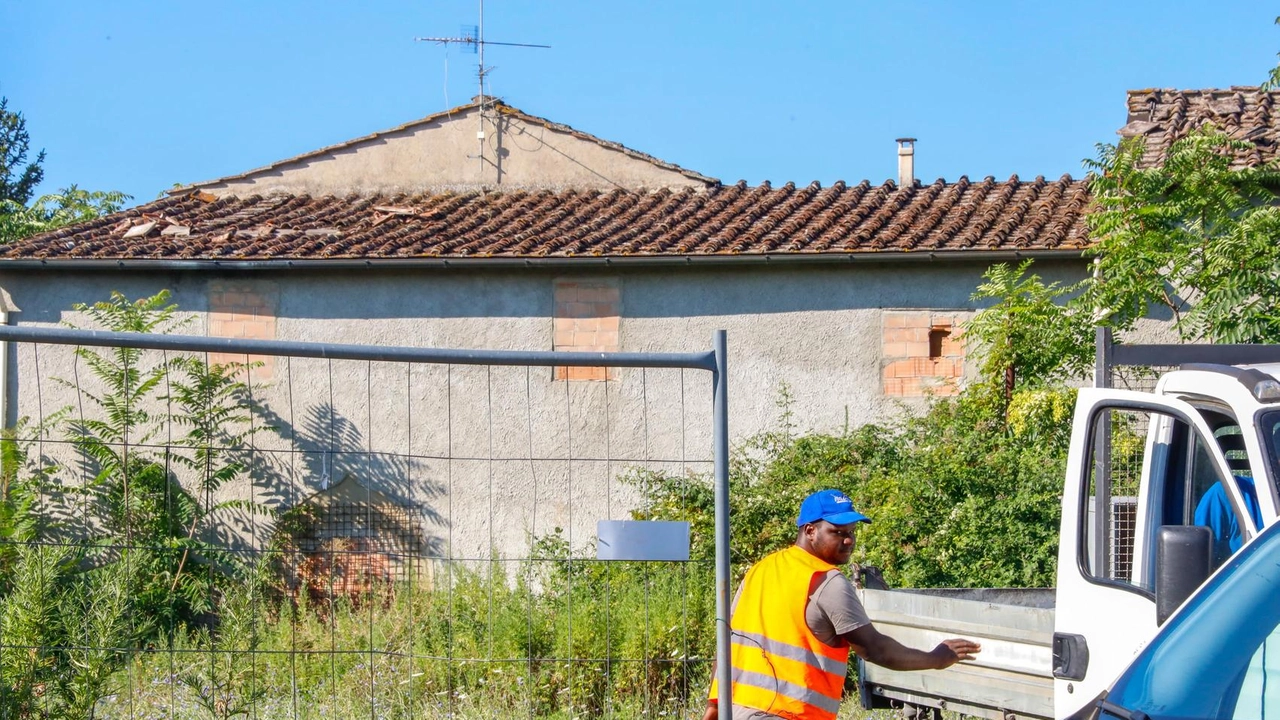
244	309
587	317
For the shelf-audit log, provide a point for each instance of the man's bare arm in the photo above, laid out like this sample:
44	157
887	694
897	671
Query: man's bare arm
874	646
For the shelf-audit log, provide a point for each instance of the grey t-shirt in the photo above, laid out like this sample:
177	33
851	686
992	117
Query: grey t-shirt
833	610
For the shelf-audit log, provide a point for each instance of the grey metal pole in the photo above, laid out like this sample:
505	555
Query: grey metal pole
335	351
1102	343
721	449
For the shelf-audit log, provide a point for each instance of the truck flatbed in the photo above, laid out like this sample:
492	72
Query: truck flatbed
1011	678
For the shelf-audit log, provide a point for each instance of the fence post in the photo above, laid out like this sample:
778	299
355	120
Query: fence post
1102	342
721	450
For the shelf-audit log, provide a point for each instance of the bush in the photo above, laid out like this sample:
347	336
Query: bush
958	497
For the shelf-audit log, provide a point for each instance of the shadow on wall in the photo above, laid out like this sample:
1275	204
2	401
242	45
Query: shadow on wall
366	509
351	522
325	468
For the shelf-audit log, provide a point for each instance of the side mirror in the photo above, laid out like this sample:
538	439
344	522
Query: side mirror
1184	560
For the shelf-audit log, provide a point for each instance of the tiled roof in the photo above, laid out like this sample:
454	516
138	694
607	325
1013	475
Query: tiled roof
723	221
1245	113
492	105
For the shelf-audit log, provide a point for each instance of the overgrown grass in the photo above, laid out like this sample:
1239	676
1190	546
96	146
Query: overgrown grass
558	640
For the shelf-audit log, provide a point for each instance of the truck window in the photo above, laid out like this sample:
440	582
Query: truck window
1209	505
1111	508
1269	429
1184	487
1231	439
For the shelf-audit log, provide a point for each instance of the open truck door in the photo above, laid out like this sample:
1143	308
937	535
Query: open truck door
1138	463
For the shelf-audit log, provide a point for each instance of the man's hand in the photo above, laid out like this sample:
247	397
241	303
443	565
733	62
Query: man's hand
713	710
950	652
874	646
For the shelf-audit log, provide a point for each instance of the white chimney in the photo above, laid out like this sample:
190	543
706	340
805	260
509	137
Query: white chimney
906	162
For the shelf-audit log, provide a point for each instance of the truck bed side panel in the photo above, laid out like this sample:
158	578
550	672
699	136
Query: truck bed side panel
1012	674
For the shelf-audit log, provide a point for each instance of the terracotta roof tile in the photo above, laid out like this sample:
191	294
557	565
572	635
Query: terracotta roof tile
1244	113
726	221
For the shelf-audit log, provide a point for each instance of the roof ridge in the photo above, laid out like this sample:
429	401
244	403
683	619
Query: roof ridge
890	185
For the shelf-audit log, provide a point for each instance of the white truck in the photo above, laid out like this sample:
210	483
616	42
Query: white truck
1161	487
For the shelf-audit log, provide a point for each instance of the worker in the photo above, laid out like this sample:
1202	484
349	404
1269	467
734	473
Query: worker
1215	512
796	618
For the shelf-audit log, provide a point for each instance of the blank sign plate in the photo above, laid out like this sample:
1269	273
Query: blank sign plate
642	540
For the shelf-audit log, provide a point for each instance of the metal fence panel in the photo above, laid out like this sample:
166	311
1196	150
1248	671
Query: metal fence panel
320	530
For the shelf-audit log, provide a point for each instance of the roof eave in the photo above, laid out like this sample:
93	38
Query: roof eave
490	263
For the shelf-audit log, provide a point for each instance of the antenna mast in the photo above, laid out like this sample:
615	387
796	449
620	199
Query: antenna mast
473	37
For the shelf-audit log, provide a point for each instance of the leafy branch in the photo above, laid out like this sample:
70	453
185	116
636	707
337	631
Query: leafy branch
1194	235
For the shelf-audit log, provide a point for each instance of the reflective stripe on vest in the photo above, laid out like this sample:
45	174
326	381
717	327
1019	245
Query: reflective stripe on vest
788	689
781	649
778	664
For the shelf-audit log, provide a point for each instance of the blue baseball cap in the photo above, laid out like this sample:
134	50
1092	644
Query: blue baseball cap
831	505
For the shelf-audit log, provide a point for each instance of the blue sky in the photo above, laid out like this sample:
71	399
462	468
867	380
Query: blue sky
138	96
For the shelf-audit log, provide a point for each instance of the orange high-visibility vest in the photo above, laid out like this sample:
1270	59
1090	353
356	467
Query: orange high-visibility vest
779	665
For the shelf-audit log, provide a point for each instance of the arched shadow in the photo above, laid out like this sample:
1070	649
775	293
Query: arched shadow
388	488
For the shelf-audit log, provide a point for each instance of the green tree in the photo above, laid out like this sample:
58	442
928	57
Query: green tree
18	178
1273	78
1194	235
140	501
68	206
1030	336
965	495
18	181
83	584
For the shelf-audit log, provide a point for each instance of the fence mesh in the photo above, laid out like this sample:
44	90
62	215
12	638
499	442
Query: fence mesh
1137	378
311	538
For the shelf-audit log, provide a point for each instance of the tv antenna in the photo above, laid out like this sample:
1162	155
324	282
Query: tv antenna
472	36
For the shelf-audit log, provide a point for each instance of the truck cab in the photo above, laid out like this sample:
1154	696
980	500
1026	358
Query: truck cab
1198	452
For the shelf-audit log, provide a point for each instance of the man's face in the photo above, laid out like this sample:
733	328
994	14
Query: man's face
832	543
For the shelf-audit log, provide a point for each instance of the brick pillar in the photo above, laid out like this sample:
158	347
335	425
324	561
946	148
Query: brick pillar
244	309
922	351
586	319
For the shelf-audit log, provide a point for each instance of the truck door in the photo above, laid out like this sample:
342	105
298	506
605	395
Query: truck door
1137	462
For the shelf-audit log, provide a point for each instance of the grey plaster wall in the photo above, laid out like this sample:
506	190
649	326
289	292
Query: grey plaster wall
495	455
444	155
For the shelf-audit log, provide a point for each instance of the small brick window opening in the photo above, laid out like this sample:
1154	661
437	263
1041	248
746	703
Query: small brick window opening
937	337
922	352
